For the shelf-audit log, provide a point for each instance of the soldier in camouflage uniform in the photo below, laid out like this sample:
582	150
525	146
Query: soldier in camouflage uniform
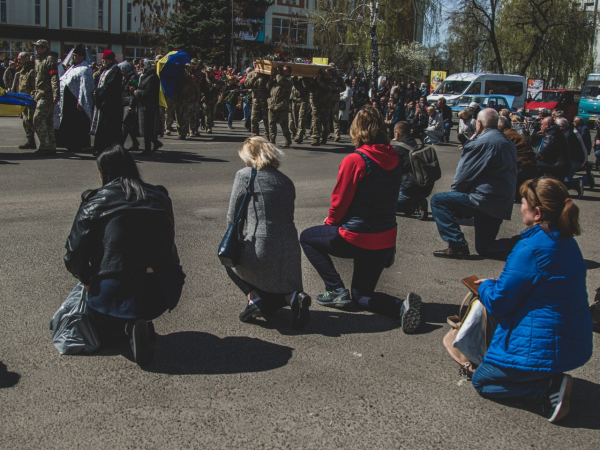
47	93
279	103
320	100
211	97
170	115
183	100
299	107
27	86
258	82
337	87
199	86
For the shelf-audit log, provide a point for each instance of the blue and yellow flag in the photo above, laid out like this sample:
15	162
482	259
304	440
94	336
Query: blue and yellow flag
13	103
169	71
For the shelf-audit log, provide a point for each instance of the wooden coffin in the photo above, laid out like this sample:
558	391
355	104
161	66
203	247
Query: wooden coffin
298	70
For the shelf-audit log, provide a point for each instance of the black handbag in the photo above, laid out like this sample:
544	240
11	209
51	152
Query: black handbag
231	244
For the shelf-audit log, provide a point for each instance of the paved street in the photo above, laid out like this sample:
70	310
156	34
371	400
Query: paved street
350	380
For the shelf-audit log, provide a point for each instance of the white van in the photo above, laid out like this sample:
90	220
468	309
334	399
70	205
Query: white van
469	83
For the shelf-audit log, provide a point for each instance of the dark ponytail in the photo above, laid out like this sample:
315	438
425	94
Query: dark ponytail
115	162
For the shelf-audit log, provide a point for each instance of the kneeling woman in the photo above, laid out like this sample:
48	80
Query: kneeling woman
269	271
541	302
122	248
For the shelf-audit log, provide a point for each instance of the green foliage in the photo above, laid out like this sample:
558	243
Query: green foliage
405	61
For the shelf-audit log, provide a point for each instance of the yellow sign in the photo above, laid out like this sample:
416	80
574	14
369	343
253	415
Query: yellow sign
323	61
437	76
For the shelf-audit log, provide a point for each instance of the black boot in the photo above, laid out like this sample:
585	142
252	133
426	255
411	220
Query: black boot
453	252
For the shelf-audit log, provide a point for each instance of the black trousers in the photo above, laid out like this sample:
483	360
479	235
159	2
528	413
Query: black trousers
110	329
271	302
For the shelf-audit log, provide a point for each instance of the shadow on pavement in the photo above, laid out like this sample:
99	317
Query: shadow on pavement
7	379
591	265
195	353
175	157
28	155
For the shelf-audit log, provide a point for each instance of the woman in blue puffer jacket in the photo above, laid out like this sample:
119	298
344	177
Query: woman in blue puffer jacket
540	300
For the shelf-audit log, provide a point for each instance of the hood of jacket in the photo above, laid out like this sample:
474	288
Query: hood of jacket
385	156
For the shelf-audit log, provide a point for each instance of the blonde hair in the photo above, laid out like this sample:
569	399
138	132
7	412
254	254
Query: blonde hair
505	112
431	109
259	153
464	114
515	118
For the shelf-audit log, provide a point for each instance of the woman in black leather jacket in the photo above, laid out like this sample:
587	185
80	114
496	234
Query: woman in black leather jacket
122	248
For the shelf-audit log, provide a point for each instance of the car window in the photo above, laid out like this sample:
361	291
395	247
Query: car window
452	87
475	89
504	87
501	102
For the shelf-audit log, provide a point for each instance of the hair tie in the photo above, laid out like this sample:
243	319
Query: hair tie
568	199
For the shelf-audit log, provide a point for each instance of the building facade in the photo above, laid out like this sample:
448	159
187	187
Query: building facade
99	24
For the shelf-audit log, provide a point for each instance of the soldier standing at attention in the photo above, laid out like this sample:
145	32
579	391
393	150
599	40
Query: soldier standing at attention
258	82
338	87
183	100
199	86
320	100
27	86
47	94
279	103
299	107
211	99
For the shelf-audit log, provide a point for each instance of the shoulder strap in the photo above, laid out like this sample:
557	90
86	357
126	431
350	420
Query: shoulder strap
405	146
244	205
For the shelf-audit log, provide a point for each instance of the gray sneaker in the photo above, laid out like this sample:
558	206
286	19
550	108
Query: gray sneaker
410	313
339	298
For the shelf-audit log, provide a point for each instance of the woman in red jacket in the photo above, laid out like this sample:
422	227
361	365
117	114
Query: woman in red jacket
361	225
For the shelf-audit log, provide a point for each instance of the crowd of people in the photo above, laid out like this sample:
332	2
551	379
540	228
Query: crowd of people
122	243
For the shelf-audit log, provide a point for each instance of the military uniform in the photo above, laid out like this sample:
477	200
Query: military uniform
183	101
27	86
337	87
169	115
46	90
320	101
211	97
279	107
299	107
260	94
199	87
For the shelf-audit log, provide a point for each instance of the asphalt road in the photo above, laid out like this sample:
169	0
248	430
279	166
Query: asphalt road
350	380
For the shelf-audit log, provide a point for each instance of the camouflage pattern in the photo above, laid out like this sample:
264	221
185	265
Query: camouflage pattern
299	97
260	94
170	114
279	106
183	98
27	116
27	86
199	86
320	101
211	97
43	122
337	87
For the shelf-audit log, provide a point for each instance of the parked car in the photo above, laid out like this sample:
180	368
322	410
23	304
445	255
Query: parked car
497	102
566	100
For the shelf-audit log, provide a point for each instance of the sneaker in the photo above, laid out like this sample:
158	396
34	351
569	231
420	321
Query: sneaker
410	313
300	312
453	252
422	212
558	398
251	312
143	350
339	298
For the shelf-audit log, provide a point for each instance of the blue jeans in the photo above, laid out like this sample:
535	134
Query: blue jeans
408	203
445	205
499	382
597	154
322	241
247	109
447	126
231	110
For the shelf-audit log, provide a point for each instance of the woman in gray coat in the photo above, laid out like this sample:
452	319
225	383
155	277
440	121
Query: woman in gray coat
269	270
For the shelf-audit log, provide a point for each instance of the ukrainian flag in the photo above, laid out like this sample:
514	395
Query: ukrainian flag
169	71
13	104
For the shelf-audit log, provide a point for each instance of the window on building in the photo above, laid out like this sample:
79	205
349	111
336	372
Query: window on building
137	53
292	31
129	14
38	12
3	11
100	14
69	13
11	49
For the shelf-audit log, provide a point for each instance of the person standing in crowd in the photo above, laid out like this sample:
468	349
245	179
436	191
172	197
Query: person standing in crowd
423	91
446	112
108	117
9	76
280	86
553	155
26	85
581	129
130	122
76	103
183	99
320	96
259	83
269	271
483	187
299	107
526	167
420	123
47	94
577	155
346	99
231	95
466	127
122	249
361	225
435	127
596	146
198	78
541	302
337	87
359	96
211	97
146	101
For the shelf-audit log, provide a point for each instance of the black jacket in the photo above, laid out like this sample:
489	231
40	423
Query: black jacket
148	90
408	185
555	149
113	235
109	96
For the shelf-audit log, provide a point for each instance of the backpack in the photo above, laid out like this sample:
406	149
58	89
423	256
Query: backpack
424	164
